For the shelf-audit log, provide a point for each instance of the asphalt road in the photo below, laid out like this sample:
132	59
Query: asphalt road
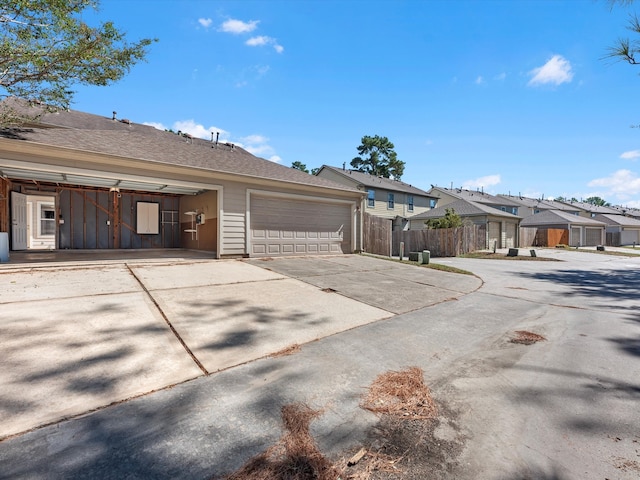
564	408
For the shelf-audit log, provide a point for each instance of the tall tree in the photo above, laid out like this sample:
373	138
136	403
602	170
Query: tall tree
297	165
378	157
46	48
597	201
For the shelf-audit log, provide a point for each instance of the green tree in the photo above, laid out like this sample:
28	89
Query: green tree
46	48
378	157
597	201
450	220
625	49
297	165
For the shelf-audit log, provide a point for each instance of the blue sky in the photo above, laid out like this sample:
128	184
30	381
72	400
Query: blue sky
508	96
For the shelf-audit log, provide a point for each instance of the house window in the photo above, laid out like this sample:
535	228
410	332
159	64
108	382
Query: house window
504	209
371	198
536	211
410	203
47	220
432	203
391	201
514	210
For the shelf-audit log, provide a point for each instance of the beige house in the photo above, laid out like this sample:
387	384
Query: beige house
385	197
502	227
74	180
446	196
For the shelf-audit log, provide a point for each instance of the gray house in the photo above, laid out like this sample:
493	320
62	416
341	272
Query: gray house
579	231
627	229
385	197
73	180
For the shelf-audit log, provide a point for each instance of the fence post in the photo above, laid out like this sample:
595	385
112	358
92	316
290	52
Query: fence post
401	250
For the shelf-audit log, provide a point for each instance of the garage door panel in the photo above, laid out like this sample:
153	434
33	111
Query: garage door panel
298	227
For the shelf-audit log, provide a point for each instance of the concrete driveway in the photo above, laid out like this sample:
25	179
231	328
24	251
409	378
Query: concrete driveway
78	336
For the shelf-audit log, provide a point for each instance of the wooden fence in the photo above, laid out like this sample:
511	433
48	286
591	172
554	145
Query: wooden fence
376	235
613	239
442	242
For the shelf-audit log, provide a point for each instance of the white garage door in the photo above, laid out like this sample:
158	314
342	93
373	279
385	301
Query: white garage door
593	237
510	235
494	235
293	227
629	237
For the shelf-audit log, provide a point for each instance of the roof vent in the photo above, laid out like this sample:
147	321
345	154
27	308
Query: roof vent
114	115
126	120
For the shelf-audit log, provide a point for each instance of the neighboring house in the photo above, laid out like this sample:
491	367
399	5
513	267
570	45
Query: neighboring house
385	197
74	180
446	196
588	210
530	206
502	227
628	228
580	231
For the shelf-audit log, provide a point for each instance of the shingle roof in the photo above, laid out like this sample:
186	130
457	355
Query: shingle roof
92	133
371	181
474	196
464	208
588	207
539	203
557	217
621	220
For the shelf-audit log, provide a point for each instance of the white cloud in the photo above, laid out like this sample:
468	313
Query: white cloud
482	182
198	130
262	40
556	71
479	80
500	77
156	125
205	22
631	155
237	27
256	144
622	184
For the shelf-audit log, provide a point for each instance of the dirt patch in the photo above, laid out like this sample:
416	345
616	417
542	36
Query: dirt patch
401	393
524	337
411	449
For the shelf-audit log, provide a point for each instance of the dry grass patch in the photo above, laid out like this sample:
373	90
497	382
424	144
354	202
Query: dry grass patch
401	393
524	337
296	455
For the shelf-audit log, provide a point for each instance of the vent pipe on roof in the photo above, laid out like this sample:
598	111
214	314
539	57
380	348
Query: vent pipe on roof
344	166
114	115
217	136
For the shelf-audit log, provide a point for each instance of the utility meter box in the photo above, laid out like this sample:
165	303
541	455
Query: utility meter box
200	219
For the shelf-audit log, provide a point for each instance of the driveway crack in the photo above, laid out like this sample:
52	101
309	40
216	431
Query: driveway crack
168	322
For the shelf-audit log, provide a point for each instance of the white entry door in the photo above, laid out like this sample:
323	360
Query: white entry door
18	221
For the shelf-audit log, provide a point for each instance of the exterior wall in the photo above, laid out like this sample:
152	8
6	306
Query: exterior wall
5	188
338	178
401	207
234	208
445	199
206	235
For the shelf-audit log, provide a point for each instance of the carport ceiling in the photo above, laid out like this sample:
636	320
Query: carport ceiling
107	180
